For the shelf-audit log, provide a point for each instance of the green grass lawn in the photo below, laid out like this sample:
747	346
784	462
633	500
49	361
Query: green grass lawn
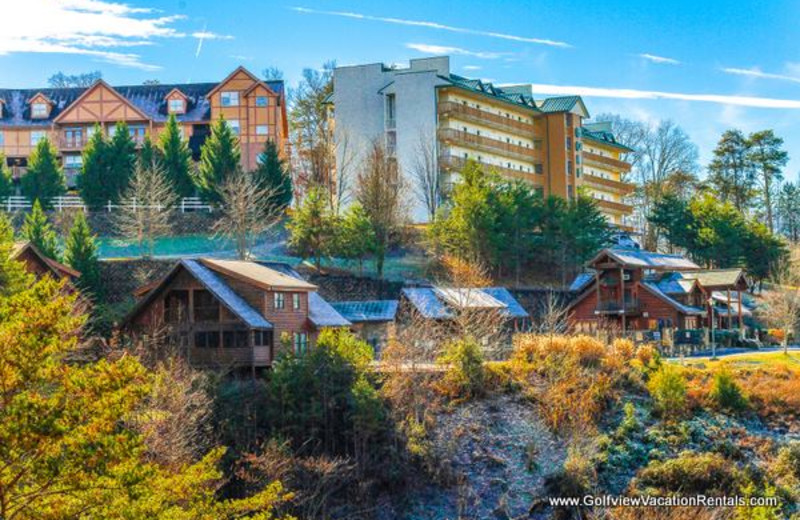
791	359
395	268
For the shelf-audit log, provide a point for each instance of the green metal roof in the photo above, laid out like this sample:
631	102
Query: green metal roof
603	137
560	104
510	95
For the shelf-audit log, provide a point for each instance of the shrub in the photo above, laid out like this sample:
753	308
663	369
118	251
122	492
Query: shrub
726	393
629	424
648	356
667	387
465	377
624	348
690	473
589	351
576	476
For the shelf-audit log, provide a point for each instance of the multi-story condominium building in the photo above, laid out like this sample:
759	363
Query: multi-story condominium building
254	109
426	106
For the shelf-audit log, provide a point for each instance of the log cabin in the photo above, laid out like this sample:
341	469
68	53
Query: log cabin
40	265
233	314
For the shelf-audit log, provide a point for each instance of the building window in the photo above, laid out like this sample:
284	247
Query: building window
137	133
206	339
296	301
569	143
262	338
261	101
569	167
206	307
538	168
262	130
391	110
73	162
176	106
36	136
300	342
230	99
233	124
39	110
278	301
234	339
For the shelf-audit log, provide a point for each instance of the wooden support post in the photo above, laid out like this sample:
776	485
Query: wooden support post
622	296
730	317
741	317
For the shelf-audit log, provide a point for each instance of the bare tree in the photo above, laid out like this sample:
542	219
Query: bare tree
660	150
381	192
781	301
344	160
311	127
427	177
147	204
246	212
553	315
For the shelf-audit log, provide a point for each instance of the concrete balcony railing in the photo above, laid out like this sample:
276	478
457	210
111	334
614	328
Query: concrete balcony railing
485	118
452	136
608	162
453	163
614	207
624	188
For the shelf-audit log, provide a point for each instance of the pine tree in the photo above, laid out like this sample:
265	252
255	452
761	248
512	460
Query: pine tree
768	158
273	174
81	254
13	276
355	237
44	178
311	228
121	161
6	183
219	159
176	158
93	180
731	171
38	231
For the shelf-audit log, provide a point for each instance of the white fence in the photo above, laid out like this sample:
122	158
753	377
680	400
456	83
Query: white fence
17	203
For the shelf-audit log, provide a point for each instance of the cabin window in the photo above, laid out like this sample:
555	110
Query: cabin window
262	129
176	305
261	101
36	136
137	133
230	99
206	339
262	338
279	300
233	124
206	307
296	301
176	106
234	339
300	342
39	110
73	161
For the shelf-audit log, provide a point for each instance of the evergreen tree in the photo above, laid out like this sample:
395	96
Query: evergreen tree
219	160
44	178
13	276
672	217
93	180
520	211
176	158
586	231
731	170
121	161
355	237
147	154
81	254
311	229
273	174
6	183
768	158
789	211
38	231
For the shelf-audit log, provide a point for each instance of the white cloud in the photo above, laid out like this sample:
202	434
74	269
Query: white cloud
659	59
433	25
755	72
441	49
622	93
471	67
205	35
87	27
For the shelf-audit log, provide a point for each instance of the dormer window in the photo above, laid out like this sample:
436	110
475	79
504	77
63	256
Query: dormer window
261	101
230	99
176	106
39	110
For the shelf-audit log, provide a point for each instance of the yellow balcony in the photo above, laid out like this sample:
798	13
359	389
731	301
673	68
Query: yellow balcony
614	207
601	183
608	162
451	109
452	136
453	163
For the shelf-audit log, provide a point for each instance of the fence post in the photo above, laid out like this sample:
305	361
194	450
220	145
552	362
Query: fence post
109	206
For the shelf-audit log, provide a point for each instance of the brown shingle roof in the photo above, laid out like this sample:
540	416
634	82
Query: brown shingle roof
257	274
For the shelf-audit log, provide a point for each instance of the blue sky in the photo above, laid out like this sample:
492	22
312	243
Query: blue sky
707	65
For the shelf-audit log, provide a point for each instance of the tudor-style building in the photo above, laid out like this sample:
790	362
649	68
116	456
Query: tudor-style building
255	110
632	289
231	313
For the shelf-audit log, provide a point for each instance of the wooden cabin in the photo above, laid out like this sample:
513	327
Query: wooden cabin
40	265
231	313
